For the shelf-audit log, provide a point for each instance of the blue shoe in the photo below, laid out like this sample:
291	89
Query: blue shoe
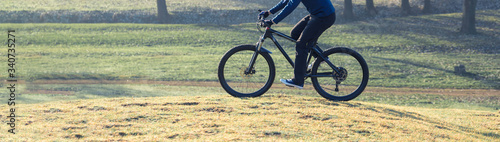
290	83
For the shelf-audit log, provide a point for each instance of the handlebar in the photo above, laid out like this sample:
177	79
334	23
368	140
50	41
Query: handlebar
260	16
260	22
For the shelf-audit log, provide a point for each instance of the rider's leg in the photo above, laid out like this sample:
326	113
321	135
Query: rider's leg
299	27
314	28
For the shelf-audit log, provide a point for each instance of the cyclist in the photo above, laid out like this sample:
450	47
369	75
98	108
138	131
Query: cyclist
306	31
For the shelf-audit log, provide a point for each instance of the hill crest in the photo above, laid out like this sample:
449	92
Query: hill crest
271	117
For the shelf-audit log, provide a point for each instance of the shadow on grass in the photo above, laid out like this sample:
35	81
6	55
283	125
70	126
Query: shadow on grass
491	83
38	93
395	114
435	33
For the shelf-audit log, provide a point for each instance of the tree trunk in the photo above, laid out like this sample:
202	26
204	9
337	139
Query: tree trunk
427	7
469	17
405	5
162	11
348	12
370	8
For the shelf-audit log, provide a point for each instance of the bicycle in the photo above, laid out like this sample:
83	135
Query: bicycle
249	71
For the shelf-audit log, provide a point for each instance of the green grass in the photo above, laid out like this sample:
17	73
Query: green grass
396	57
416	33
121	5
147	5
182	5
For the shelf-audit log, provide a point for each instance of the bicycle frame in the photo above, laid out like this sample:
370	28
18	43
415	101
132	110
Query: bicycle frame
269	33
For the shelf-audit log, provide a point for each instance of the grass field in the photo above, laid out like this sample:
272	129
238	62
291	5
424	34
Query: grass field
189	5
147	82
194	11
419	57
276	117
53	90
173	5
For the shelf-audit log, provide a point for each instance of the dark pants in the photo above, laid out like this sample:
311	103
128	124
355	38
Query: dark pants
307	32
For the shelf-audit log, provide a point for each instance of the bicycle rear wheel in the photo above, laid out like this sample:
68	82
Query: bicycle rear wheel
235	79
343	86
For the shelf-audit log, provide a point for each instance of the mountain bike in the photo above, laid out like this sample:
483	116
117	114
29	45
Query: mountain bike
337	73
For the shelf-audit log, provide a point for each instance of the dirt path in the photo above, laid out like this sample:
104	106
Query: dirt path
380	90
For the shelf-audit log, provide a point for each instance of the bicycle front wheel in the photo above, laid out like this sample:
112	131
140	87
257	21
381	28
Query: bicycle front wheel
346	84
240	81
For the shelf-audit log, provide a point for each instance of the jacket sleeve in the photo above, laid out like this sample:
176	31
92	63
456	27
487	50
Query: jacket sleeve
287	5
278	6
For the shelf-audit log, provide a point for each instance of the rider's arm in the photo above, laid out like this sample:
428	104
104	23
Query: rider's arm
278	6
287	5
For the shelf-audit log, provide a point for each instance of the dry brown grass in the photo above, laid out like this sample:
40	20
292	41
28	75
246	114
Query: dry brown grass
223	118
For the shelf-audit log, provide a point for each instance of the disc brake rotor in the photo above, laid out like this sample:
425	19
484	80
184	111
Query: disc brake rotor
246	75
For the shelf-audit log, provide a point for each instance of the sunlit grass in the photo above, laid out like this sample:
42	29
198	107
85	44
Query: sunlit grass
274	117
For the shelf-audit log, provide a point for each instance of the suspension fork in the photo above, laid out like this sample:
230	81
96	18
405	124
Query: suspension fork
255	54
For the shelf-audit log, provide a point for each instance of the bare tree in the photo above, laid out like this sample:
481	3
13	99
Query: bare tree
162	11
348	11
427	7
469	17
370	8
405	6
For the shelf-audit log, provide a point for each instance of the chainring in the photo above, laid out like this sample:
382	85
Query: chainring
341	76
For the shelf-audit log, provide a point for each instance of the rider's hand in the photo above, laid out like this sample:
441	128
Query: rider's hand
268	23
264	14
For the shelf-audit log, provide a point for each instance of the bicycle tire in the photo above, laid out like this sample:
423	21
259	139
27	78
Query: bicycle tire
239	84
356	74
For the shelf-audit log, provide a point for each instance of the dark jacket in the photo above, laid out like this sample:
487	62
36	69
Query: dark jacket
319	8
